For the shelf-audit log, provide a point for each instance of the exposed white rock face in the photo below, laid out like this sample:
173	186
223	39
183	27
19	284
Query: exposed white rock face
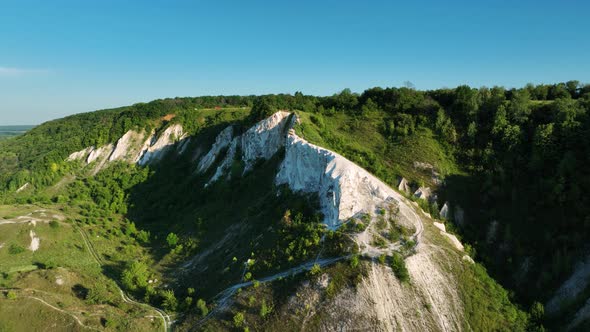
23	187
157	148
128	147
99	154
444	211
575	284
492	232
459	215
184	145
404	186
440	226
264	139
344	189
35	241
423	193
80	155
227	161
222	141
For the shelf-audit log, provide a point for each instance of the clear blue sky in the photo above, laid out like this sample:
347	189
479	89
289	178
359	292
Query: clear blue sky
63	57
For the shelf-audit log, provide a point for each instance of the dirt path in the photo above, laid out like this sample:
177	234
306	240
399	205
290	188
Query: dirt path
63	311
222	299
126	298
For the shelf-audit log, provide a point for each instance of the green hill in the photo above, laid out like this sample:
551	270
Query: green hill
508	164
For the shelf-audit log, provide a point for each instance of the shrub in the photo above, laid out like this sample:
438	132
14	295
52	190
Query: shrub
239	319
202	306
15	249
172	240
11	295
265	310
398	265
354	261
315	269
169	301
135	276
98	294
54	224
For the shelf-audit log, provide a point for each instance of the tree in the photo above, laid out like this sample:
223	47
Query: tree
265	310
369	107
315	269
135	276
519	107
98	294
572	87
239	319
169	301
466	103
202	307
11	295
345	100
172	240
398	265
263	107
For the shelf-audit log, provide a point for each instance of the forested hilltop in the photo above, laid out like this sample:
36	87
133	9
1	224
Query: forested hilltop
514	160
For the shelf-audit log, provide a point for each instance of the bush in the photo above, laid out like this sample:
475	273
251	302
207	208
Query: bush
172	240
54	224
135	276
315	269
98	294
202	306
354	261
265	310
169	301
143	236
15	249
398	265
11	295
239	319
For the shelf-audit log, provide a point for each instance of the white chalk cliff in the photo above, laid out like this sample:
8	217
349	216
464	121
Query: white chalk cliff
223	140
264	139
160	146
133	147
345	190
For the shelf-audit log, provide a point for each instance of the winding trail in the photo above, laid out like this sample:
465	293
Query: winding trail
47	304
222	299
63	311
125	297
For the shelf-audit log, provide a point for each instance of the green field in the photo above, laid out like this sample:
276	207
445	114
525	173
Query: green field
12	131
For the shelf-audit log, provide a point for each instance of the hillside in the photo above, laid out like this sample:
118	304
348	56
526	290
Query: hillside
226	218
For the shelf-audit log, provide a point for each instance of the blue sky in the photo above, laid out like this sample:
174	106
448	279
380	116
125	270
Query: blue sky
64	57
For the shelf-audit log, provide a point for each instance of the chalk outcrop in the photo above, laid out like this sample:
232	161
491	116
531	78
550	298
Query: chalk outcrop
133	147
102	153
424	193
444	211
404	186
345	189
264	139
128	147
158	147
80	155
222	141
227	161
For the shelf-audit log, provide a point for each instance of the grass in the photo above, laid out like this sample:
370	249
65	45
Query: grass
364	142
61	256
